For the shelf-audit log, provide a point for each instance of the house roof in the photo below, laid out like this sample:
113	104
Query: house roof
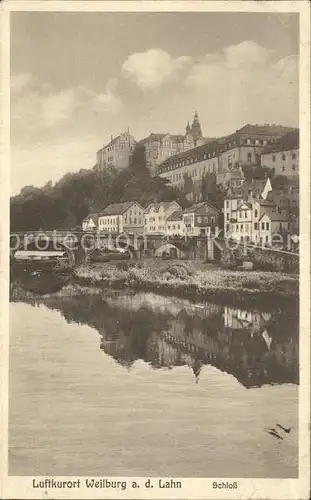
243	204
94	217
163	204
287	142
265	129
266	203
197	206
118	208
274	215
175	216
204	148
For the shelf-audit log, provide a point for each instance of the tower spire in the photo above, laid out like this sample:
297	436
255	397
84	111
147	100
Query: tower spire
196	127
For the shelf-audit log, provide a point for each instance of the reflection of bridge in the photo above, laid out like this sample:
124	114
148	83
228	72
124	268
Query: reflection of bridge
79	244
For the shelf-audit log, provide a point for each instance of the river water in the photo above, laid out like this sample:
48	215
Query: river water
108	384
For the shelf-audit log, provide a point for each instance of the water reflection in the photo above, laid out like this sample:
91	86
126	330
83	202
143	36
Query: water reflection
40	282
255	347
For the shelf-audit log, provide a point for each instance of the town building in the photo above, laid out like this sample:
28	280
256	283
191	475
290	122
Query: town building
156	215
90	223
201	219
239	195
257	221
283	155
244	146
191	166
286	196
241	222
273	225
117	153
175	225
224	157
159	147
125	217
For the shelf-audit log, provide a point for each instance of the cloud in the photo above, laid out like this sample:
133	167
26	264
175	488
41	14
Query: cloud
152	69
242	83
37	105
246	83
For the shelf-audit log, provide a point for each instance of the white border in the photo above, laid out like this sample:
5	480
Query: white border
13	487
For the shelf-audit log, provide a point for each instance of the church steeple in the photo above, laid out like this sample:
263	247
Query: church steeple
188	129
196	127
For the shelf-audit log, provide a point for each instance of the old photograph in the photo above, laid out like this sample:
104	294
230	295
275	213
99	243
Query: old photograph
155	253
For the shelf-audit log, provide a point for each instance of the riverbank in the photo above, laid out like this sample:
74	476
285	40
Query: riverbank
195	281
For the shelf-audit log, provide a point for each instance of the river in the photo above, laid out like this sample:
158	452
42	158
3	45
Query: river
109	383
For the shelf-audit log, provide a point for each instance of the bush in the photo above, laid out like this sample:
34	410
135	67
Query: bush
182	270
231	258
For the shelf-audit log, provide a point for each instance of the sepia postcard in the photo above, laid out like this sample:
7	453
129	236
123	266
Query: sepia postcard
155	250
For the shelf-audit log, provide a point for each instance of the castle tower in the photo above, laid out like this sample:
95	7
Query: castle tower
196	127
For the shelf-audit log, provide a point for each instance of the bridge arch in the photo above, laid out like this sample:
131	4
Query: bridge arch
172	250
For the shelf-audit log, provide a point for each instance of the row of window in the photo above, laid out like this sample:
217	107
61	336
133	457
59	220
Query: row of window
237	142
265	226
155	229
293	167
247	214
195	159
293	156
199	173
173	226
131	220
186	161
153	219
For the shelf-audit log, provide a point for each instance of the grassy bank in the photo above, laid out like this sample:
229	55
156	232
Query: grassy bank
194	281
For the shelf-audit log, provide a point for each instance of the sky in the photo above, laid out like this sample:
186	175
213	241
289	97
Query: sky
78	78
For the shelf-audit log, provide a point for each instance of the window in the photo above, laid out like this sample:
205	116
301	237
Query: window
283	168
283	156
237	228
256	226
245	214
267	239
273	158
135	220
227	203
199	219
249	157
262	225
293	156
227	227
242	228
228	216
256	213
240	215
294	167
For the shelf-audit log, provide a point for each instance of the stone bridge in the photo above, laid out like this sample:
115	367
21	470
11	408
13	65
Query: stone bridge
78	245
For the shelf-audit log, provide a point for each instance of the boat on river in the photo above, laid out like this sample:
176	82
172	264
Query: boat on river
41	260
